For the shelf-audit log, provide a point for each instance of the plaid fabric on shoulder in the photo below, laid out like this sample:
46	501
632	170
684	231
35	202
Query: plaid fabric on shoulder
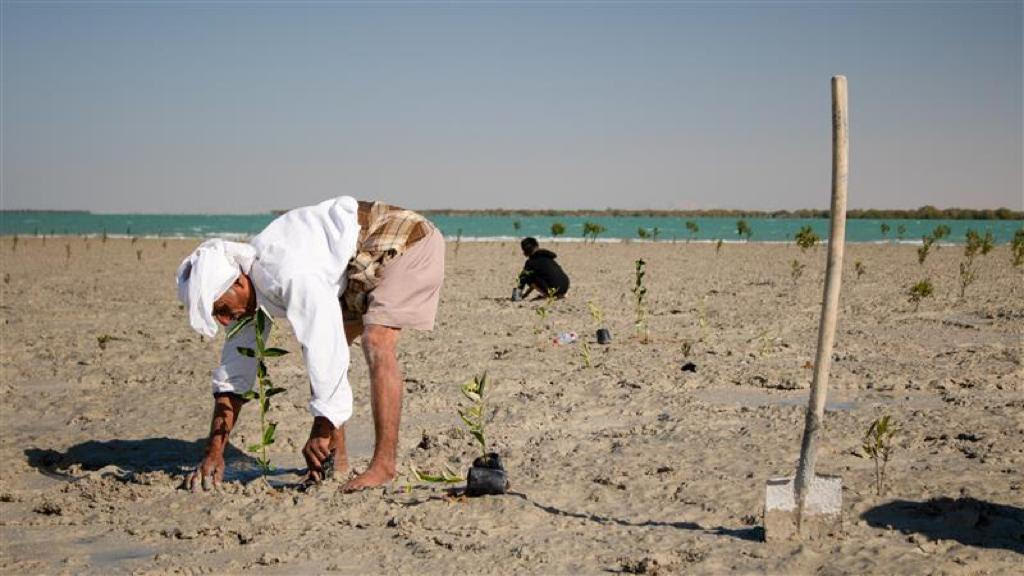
385	232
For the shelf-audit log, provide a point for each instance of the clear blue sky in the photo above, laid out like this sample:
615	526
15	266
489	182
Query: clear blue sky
245	107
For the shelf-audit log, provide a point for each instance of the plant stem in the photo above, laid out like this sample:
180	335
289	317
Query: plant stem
264	463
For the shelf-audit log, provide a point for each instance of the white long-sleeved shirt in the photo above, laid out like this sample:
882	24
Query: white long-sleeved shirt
299	273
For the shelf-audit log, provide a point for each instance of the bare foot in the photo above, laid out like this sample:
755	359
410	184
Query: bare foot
372	478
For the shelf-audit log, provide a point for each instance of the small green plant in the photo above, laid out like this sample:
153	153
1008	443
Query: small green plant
585	352
796	270
975	245
878	446
592	230
67	253
544	310
265	387
557	229
516	225
743	229
14	243
859	268
458	241
642	233
940	232
134	240
639	293
901	230
1017	247
885	229
718	246
474	416
693	228
806	238
654	234
924	249
920	291
595	313
686	348
138	254
103	238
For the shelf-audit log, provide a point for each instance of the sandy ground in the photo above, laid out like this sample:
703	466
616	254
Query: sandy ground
629	466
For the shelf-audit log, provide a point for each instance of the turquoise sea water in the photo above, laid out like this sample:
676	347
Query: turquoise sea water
478	226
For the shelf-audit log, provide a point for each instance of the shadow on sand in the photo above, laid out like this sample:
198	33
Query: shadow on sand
752	533
965	520
170	455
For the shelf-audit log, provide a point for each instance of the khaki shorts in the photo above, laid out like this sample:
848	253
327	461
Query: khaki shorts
410	287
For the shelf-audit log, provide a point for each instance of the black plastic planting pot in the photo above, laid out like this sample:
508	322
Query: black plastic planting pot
517	294
486	476
604	336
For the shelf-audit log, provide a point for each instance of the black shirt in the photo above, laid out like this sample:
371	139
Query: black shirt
543	273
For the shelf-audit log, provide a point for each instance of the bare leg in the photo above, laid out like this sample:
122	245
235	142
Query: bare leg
380	348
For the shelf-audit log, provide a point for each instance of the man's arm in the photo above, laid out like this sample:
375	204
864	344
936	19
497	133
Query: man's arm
210	472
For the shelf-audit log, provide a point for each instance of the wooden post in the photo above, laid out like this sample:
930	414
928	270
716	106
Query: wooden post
830	301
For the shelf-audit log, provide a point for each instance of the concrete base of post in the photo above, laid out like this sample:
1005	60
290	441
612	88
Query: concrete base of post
823	512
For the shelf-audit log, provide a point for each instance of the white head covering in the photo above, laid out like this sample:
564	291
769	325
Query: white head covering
206	274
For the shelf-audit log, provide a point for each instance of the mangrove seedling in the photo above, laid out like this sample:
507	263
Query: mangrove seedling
654	234
544	310
585	352
920	291
592	230
900	231
693	228
458	241
859	268
924	248
796	270
639	293
878	446
14	243
642	233
743	229
557	229
474	415
595	313
718	246
516	225
1017	247
885	229
138	254
806	238
974	246
265	387
67	253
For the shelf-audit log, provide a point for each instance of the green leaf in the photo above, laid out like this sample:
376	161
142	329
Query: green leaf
272	352
465	419
261	321
246	351
473	396
249	395
261	370
268	434
255	447
239	324
479	435
274	391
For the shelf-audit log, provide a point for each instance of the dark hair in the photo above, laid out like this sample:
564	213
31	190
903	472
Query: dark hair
529	244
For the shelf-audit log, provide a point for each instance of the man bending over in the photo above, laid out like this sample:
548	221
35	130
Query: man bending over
339	270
